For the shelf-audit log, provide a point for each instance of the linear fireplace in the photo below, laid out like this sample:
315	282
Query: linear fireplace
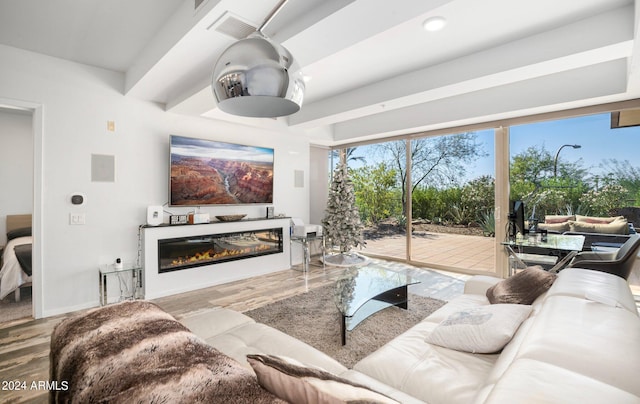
194	251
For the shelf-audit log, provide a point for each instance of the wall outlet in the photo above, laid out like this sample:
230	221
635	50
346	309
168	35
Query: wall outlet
76	218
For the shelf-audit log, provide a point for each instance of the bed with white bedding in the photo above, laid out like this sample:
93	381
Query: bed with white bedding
16	257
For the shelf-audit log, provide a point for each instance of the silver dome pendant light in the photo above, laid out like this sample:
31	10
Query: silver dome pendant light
257	77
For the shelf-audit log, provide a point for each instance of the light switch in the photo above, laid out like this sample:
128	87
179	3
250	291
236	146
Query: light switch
111	126
76	218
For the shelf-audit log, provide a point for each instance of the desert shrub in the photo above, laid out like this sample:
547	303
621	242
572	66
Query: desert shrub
427	203
460	214
376	193
402	222
487	221
606	200
477	196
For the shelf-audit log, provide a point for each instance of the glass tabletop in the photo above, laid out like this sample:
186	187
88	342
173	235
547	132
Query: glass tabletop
562	242
358	285
111	268
308	237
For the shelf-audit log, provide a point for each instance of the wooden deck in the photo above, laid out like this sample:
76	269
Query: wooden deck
467	253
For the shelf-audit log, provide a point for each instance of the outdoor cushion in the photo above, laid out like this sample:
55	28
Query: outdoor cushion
559	227
553	219
614	227
599	220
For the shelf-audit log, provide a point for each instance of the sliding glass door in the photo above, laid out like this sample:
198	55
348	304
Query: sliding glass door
452	204
377	180
432	200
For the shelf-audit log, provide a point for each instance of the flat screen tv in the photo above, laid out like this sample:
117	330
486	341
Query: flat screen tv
207	172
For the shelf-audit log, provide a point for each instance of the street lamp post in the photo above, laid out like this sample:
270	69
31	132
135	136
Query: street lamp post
555	161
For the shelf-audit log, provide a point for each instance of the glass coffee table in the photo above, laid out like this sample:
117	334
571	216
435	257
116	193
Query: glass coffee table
363	291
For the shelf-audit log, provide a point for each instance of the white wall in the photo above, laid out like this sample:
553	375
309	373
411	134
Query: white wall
16	166
77	101
318	182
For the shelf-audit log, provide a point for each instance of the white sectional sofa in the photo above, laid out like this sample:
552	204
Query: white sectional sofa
580	344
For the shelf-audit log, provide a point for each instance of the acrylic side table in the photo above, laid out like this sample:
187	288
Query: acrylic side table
129	279
304	241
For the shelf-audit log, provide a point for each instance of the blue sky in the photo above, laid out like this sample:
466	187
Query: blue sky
592	132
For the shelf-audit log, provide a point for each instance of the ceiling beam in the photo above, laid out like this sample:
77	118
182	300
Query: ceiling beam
549	92
633	85
594	40
343	28
321	37
175	29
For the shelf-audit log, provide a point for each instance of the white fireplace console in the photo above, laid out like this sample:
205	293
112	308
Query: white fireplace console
169	283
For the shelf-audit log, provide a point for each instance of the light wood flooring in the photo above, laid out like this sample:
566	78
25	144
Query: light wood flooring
24	344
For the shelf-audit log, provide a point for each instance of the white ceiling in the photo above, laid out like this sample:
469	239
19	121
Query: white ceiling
374	70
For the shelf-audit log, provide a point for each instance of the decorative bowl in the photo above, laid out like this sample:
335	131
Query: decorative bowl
230	218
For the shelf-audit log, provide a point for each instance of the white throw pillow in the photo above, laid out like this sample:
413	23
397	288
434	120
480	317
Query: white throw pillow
484	329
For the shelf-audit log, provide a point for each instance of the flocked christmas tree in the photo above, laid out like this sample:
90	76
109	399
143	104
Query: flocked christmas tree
342	223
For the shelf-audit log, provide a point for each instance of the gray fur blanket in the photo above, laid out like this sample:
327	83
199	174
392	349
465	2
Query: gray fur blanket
135	352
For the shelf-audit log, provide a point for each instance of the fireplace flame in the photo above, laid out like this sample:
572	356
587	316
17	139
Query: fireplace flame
211	255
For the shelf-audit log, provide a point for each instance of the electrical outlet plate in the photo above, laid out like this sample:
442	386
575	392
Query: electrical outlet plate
76	218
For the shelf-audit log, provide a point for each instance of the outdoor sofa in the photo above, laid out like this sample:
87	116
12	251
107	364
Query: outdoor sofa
576	341
607	232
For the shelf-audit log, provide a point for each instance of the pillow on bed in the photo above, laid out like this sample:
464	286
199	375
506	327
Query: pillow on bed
21	232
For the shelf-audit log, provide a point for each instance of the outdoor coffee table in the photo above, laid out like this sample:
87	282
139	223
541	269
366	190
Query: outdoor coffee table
363	291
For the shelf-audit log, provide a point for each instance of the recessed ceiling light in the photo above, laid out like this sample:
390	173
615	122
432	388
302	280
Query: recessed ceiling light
433	24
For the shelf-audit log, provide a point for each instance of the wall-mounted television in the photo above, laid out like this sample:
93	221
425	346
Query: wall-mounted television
208	172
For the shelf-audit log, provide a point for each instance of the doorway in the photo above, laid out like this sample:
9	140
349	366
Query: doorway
20	180
16	181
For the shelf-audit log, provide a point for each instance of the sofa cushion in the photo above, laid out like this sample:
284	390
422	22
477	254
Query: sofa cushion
575	349
361	378
522	288
589	338
214	321
510	351
531	381
478	284
428	372
595	286
294	382
464	301
243	336
485	329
